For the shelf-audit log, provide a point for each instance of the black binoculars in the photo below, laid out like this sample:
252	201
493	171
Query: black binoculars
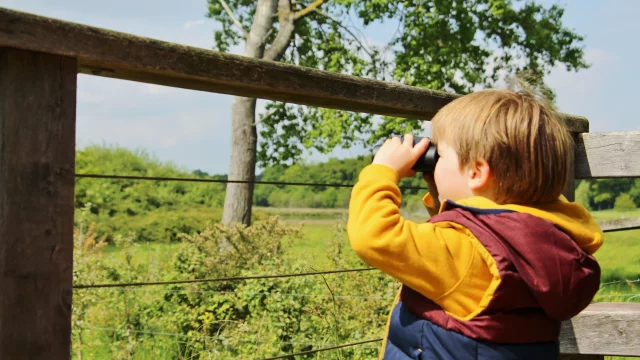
426	162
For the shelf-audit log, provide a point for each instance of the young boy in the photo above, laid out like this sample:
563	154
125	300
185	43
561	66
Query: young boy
505	257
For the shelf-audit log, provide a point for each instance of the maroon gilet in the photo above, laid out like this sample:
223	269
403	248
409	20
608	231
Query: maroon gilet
545	278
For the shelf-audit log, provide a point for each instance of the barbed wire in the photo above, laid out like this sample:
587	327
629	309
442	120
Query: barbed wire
223	181
249	277
214	338
362	297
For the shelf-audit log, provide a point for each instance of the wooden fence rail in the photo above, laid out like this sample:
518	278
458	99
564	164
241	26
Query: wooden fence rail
620	224
39	61
124	56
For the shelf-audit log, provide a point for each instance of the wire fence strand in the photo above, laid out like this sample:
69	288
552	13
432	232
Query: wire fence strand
236	293
223	181
198	336
323	349
250	277
621	282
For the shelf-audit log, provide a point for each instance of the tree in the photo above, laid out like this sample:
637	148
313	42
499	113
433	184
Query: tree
438	44
582	194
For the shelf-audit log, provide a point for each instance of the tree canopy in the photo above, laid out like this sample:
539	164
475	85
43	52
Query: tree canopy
455	46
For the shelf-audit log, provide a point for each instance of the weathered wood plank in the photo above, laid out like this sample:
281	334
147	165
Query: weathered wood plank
608	155
118	55
569	189
620	224
603	329
37	153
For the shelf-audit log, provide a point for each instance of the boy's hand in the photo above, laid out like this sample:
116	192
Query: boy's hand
401	156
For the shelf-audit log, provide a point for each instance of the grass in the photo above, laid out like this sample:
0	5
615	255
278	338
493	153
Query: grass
619	257
615	214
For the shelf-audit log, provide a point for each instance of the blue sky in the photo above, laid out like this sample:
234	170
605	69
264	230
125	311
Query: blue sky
192	128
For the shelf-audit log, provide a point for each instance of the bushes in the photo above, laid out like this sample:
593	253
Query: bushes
226	319
624	202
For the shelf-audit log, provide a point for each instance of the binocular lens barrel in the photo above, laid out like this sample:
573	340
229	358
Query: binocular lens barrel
426	162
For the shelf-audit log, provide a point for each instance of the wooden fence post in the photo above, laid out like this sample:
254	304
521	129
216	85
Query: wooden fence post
569	193
569	190
37	155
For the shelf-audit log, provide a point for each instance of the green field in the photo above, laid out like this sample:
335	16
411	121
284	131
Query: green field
619	257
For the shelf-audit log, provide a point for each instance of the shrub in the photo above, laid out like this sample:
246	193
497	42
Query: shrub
624	202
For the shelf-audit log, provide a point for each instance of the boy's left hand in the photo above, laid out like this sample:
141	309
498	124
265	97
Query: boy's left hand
401	155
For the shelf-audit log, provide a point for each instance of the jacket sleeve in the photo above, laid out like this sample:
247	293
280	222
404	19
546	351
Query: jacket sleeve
431	258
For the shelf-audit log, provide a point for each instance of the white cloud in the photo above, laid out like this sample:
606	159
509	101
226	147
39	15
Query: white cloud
193	23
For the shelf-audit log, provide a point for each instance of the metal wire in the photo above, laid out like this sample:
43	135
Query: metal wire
361	297
151	178
616	295
214	338
250	277
620	282
323	349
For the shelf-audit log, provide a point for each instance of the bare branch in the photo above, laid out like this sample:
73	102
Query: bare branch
266	37
285	32
266	116
235	20
314	5
346	29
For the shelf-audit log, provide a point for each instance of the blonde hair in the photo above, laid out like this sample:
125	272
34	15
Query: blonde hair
523	139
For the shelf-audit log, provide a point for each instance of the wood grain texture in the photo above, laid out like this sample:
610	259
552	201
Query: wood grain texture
620	224
118	55
569	189
603	329
37	152
608	155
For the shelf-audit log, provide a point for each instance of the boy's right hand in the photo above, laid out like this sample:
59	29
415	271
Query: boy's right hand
433	189
401	155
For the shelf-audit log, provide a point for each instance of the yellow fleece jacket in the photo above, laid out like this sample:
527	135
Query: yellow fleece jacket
443	261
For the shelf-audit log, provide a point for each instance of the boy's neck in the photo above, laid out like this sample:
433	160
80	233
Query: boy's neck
486	193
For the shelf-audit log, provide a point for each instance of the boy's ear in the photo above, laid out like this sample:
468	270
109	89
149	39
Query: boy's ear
479	175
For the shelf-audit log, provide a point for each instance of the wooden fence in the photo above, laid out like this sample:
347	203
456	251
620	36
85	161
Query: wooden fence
39	62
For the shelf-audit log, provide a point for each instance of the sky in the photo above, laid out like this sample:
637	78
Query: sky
193	129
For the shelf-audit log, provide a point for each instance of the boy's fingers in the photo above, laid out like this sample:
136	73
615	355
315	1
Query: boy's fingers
408	140
422	146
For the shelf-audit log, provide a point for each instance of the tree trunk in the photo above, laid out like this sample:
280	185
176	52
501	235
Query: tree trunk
239	197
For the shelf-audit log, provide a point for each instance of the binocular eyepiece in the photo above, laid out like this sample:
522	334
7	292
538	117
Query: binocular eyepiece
426	162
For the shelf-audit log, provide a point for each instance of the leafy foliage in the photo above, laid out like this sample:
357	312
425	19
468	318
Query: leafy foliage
624	202
159	211
152	210
602	193
446	45
226	319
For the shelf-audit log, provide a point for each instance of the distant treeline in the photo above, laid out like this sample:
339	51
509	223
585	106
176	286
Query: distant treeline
163	209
